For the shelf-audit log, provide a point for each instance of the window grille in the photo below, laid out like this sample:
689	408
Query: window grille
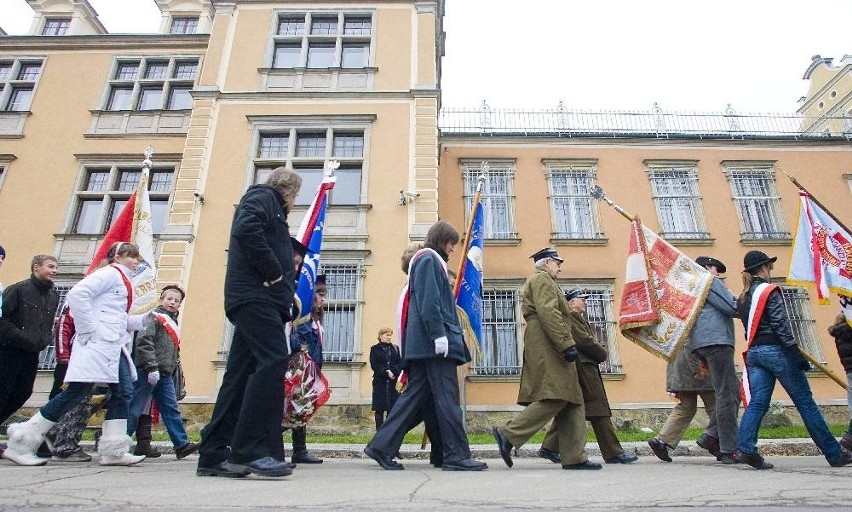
18	78
47	357
152	84
56	26
499	354
802	320
574	211
678	203
497	196
184	25
599	313
757	203
342	310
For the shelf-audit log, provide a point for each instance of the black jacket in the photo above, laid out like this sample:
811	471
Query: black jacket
774	326
29	307
843	339
259	251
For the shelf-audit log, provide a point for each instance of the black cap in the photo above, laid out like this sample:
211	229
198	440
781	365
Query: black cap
575	294
298	247
707	261
754	259
547	252
320	279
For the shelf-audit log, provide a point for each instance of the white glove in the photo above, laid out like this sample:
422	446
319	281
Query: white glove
442	346
153	378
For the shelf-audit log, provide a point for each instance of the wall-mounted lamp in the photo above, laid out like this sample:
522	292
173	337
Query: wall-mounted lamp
199	197
407	197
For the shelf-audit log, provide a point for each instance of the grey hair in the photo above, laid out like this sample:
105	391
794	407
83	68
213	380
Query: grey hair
287	182
539	265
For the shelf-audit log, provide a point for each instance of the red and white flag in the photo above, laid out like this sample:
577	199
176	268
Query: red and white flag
664	291
822	251
134	224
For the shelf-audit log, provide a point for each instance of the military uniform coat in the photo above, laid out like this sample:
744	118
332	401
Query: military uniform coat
592	354
681	374
545	374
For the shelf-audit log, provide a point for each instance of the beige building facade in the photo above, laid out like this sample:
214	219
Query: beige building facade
230	89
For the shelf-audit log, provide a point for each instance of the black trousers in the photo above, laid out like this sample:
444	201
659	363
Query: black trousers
246	421
18	370
429	380
58	378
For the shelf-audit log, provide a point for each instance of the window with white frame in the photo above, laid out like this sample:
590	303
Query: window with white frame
47	357
501	330
306	150
574	210
757	202
56	26
323	39
18	78
601	316
678	201
343	303
184	25
802	320
104	190
497	196
152	83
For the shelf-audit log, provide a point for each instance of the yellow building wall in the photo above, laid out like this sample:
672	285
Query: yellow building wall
622	175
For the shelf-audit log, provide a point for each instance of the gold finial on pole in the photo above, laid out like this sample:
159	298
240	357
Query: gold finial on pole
598	193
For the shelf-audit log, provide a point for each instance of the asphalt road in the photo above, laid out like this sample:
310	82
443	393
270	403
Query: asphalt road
695	483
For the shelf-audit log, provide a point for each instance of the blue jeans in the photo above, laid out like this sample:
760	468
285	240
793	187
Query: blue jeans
164	394
766	364
78	392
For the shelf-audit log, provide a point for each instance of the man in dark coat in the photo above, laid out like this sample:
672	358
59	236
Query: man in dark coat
598	413
259	288
550	387
841	330
29	307
432	347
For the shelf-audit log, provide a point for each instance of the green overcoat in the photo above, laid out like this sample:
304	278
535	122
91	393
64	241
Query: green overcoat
592	354
545	374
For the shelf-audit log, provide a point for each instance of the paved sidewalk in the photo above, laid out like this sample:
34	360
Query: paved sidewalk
695	483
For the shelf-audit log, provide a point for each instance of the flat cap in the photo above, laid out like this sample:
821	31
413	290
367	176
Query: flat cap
575	294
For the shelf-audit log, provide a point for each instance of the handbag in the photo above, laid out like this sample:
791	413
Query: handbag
180	383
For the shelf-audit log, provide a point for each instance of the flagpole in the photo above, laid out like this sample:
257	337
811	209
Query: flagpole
821	367
457	286
815	200
598	193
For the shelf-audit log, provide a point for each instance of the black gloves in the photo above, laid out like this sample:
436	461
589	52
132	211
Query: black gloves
570	354
798	359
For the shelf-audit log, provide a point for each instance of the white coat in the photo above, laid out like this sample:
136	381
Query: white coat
99	306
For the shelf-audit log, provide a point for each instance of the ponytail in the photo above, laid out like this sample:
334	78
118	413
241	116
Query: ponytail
748	278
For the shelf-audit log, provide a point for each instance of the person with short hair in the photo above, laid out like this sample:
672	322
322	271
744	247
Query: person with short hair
244	433
157	356
432	347
773	355
26	325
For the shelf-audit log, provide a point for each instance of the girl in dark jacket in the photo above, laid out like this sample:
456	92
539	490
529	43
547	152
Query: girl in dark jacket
385	362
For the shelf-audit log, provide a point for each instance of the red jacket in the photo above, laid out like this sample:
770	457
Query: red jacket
64	335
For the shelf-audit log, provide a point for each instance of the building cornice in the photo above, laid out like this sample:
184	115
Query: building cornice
101	41
211	92
498	140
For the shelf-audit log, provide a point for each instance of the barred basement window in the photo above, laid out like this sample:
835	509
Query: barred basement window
499	354
47	357
802	320
757	202
678	202
498	195
599	313
342	310
574	211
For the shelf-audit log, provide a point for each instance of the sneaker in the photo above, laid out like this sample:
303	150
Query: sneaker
77	455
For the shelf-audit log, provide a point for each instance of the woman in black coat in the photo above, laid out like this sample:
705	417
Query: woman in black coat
385	362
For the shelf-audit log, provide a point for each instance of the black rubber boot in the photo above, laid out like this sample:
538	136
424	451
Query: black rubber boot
143	438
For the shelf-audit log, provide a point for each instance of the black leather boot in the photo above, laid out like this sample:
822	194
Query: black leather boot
301	455
143	438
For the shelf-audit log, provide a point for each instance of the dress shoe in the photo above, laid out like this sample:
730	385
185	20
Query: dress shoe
265	466
503	445
660	449
709	443
464	465
384	460
844	460
727	458
752	459
846	441
622	458
550	455
304	457
187	449
219	469
583	465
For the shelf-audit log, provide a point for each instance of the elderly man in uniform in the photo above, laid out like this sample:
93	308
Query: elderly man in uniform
549	384
592	353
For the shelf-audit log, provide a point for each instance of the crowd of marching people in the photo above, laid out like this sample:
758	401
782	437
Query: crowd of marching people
129	364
